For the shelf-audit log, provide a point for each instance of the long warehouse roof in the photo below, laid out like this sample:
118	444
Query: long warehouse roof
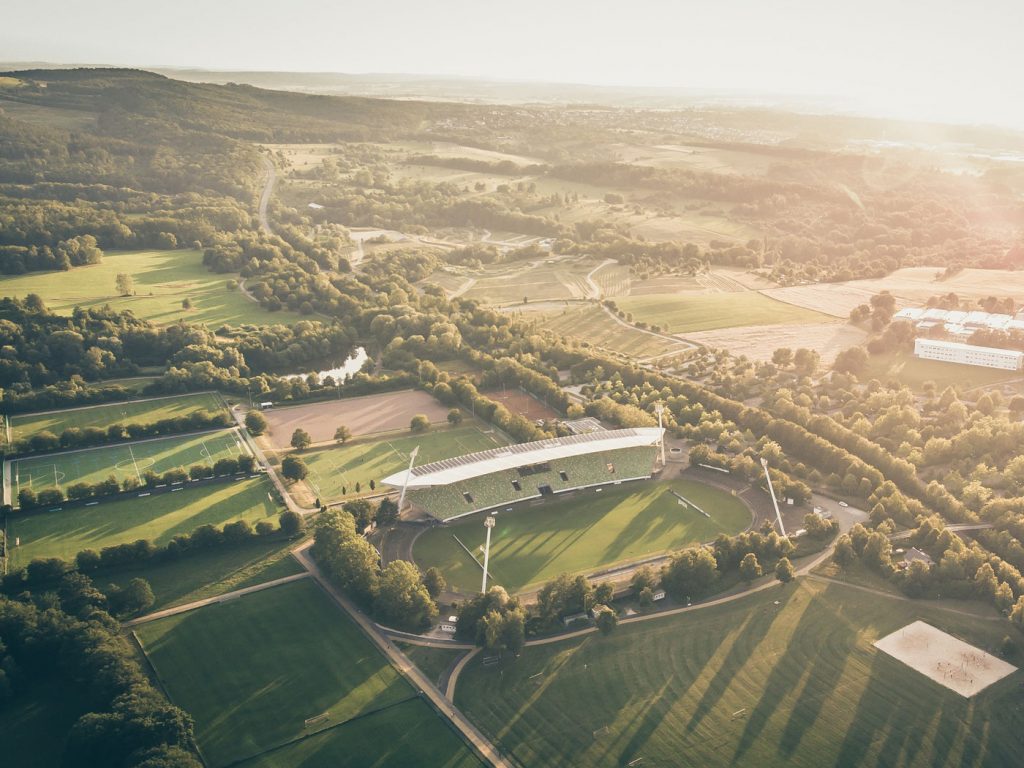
482	463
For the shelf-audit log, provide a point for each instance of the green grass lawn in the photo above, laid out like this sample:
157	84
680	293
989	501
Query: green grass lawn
592	324
433	662
681	313
749	683
251	671
133	412
404	735
210	573
914	372
332	470
582	533
91	465
163	279
34	725
65	533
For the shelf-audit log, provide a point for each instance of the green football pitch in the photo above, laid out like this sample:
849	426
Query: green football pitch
581	533
91	465
334	470
785	677
286	664
150	411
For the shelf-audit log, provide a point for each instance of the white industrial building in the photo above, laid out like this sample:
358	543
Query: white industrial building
969	354
958	323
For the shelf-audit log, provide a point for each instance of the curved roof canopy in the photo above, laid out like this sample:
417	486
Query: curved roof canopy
481	463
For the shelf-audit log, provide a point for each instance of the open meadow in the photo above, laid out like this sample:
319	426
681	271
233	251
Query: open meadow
148	411
252	671
163	280
160	518
788	676
686	313
581	532
334	472
124	460
915	372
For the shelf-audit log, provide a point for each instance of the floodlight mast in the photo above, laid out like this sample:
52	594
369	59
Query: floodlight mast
771	490
408	476
488	524
659	407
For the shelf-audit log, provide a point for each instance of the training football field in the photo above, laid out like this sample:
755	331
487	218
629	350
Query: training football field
581	533
334	472
284	678
91	465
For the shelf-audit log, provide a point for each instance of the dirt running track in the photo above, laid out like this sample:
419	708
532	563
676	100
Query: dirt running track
363	415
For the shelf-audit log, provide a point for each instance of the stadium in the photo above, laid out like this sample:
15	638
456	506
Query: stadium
476	482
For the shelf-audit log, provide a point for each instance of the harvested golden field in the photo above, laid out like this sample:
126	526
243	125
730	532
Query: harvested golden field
758	342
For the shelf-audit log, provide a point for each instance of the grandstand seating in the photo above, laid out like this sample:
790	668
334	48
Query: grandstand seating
496	488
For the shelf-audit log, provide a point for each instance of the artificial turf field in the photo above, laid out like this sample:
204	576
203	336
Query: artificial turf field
748	683
582	533
91	465
332	470
159	518
251	671
149	411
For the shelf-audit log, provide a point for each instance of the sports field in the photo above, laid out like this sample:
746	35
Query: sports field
705	312
159	518
582	533
332	470
102	416
253	670
163	280
91	465
748	683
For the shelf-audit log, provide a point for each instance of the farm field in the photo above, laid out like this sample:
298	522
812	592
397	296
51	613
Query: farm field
591	324
748	683
758	342
581	533
150	411
538	281
213	572
363	415
252	670
684	314
163	279
333	470
91	465
159	518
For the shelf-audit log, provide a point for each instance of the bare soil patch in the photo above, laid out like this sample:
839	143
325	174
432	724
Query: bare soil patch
945	659
363	415
520	402
758	342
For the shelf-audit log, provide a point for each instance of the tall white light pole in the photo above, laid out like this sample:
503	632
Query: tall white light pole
659	407
488	524
408	476
771	490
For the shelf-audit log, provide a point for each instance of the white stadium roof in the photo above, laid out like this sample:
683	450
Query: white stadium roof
481	463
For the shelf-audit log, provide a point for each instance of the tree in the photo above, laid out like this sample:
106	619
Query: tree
454	417
291	523
690	572
387	512
644	578
419	423
402	597
186	303
435	582
750	569
605	618
342	434
256	423
784	570
301	439
136	597
782	357
294	468
125	284
853	360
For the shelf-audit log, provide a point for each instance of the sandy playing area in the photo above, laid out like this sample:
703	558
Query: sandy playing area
363	415
946	660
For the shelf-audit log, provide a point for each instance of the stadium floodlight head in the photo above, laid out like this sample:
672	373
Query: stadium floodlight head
489	522
408	475
771	490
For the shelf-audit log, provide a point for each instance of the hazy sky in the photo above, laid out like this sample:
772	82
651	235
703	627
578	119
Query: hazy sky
934	59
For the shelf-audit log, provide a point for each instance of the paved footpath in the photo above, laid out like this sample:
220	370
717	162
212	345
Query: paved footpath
418	679
213	600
